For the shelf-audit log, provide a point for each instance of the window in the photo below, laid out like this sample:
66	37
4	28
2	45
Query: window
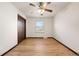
39	26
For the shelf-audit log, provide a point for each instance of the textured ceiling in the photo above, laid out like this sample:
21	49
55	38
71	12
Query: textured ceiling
31	11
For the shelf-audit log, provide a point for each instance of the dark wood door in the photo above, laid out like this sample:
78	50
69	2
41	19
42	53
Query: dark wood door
21	28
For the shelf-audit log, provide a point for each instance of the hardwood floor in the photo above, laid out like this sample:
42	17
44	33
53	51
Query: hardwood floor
40	47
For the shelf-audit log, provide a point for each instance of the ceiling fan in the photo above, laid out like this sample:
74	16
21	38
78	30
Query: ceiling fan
42	7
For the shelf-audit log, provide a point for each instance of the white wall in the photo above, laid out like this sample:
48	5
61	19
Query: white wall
66	26
30	27
8	26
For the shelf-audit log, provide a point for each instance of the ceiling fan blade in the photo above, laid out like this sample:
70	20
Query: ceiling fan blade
32	5
48	10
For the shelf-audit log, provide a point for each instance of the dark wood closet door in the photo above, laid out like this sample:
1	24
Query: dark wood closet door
21	28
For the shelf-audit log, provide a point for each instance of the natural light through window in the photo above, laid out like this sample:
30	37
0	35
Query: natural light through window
39	26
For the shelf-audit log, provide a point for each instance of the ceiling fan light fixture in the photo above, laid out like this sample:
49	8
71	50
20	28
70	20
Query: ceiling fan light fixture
41	11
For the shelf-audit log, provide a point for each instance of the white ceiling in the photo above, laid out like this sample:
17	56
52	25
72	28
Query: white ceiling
31	11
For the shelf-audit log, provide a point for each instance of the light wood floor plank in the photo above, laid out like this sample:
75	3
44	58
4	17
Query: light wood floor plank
40	47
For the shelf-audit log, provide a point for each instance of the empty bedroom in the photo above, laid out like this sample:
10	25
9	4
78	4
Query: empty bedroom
39	28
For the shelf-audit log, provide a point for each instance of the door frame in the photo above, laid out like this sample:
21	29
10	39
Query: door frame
24	26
